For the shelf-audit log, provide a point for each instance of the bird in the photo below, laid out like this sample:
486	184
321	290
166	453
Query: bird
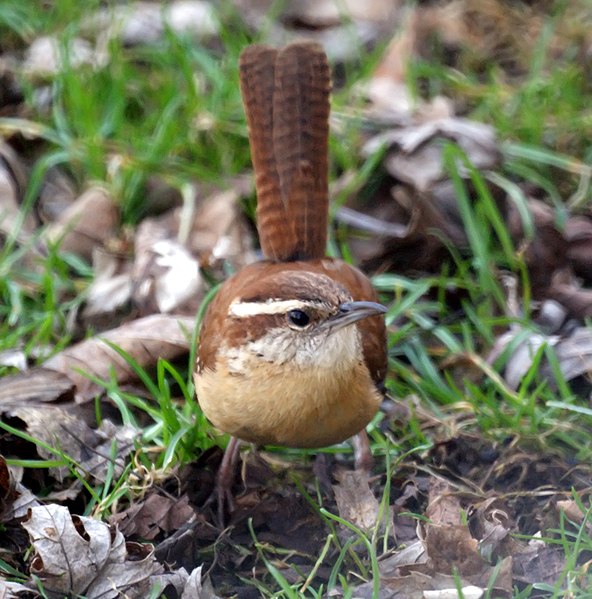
292	349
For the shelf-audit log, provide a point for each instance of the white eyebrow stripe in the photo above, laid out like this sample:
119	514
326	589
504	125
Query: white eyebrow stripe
240	309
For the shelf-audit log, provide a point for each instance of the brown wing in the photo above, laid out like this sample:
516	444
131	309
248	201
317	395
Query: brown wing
286	99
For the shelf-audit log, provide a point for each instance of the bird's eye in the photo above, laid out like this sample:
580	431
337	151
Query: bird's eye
298	318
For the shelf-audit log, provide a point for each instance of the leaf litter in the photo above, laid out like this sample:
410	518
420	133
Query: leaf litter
457	511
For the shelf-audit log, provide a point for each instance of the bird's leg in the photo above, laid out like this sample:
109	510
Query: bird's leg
225	478
363	459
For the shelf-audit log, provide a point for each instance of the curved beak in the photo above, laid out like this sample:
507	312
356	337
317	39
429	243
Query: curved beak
350	312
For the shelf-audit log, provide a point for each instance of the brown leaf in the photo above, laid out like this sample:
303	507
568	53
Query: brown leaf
545	250
576	300
62	429
15	499
444	507
79	555
198	588
111	288
219	231
156	514
449	543
573	511
578	233
387	89
355	501
540	564
170	248
573	353
37	385
145	340
165	275
13	182
16	590
85	224
57	193
416	150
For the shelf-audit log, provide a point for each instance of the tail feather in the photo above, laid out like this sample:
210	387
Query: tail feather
286	98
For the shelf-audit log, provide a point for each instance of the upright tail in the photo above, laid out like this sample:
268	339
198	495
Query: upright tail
286	98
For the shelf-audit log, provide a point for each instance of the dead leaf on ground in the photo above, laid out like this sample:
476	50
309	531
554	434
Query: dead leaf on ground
36	385
417	156
156	514
539	241
16	590
578	233
449	544
568	291
58	192
355	500
86	224
145	23
573	511
13	181
145	340
13	358
164	274
573	352
44	56
198	588
93	451
15	499
82	556
541	563
111	288
387	90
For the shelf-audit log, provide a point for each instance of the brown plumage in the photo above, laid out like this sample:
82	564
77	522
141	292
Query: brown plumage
286	98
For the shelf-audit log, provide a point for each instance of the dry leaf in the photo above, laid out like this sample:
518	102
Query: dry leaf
470	592
219	231
111	288
417	155
79	555
539	564
197	588
14	358
13	182
58	192
355	501
444	508
16	590
573	511
145	340
44	56
448	541
172	277
35	386
60	428
544	250
578	233
85	224
573	352
156	514
15	499
387	90
145	23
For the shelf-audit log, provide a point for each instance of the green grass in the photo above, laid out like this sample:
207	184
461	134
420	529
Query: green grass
173	111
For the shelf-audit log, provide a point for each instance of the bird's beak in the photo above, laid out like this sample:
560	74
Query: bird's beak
350	312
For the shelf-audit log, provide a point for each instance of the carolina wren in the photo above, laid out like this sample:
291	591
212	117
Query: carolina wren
292	349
